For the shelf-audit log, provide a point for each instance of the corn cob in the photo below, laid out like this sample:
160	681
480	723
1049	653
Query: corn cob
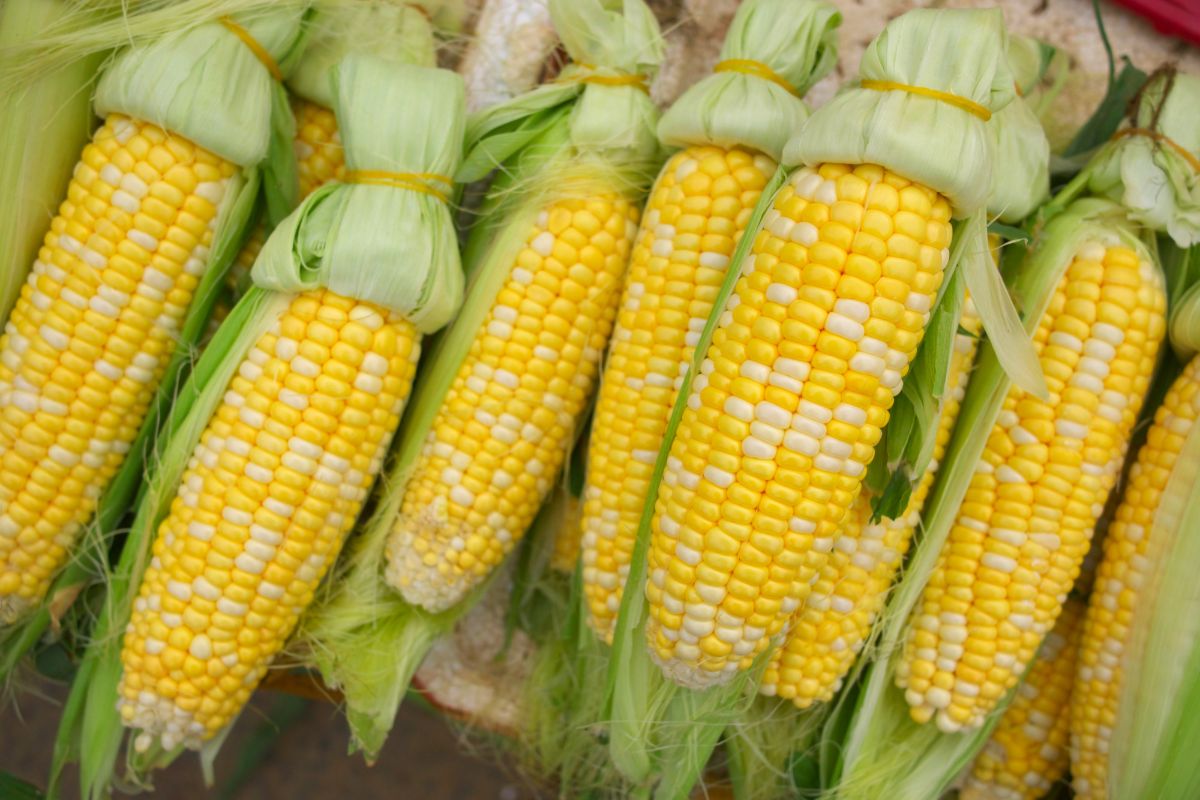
526	359
732	128
511	413
99	316
512	40
1027	754
807	357
1122	574
789	403
696	212
281	470
90	336
1037	492
832	626
273	487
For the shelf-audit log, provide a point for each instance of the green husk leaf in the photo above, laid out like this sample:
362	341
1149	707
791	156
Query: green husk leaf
47	123
1108	115
1157	719
765	746
13	788
637	693
929	141
381	224
1020	158
1157	183
795	40
882	752
205	84
396	31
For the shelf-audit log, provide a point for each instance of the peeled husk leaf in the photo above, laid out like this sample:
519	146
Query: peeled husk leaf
872	746
943	147
795	40
1158	184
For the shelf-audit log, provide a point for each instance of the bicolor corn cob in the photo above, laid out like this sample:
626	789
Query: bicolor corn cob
695	215
1027	753
783	419
511	414
275	483
1041	485
88	341
832	626
566	540
1122	574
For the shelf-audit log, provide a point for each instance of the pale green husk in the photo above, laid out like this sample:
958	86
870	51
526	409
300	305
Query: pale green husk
797	41
943	147
1151	751
91	728
566	139
1020	149
205	84
388	29
46	125
1157	184
381	225
873	748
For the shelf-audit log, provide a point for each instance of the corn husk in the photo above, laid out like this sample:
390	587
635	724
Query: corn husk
961	52
380	224
1020	149
47	123
384	28
872	747
1158	184
795	40
91	728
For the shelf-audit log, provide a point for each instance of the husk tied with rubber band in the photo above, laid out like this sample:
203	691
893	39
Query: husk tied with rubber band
872	746
773	52
745	106
179	75
386	244
564	139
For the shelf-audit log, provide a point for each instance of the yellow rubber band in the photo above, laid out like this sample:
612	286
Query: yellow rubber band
589	75
259	51
970	106
756	68
1183	152
416	181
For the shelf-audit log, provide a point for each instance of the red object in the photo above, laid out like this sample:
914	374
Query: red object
1179	18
